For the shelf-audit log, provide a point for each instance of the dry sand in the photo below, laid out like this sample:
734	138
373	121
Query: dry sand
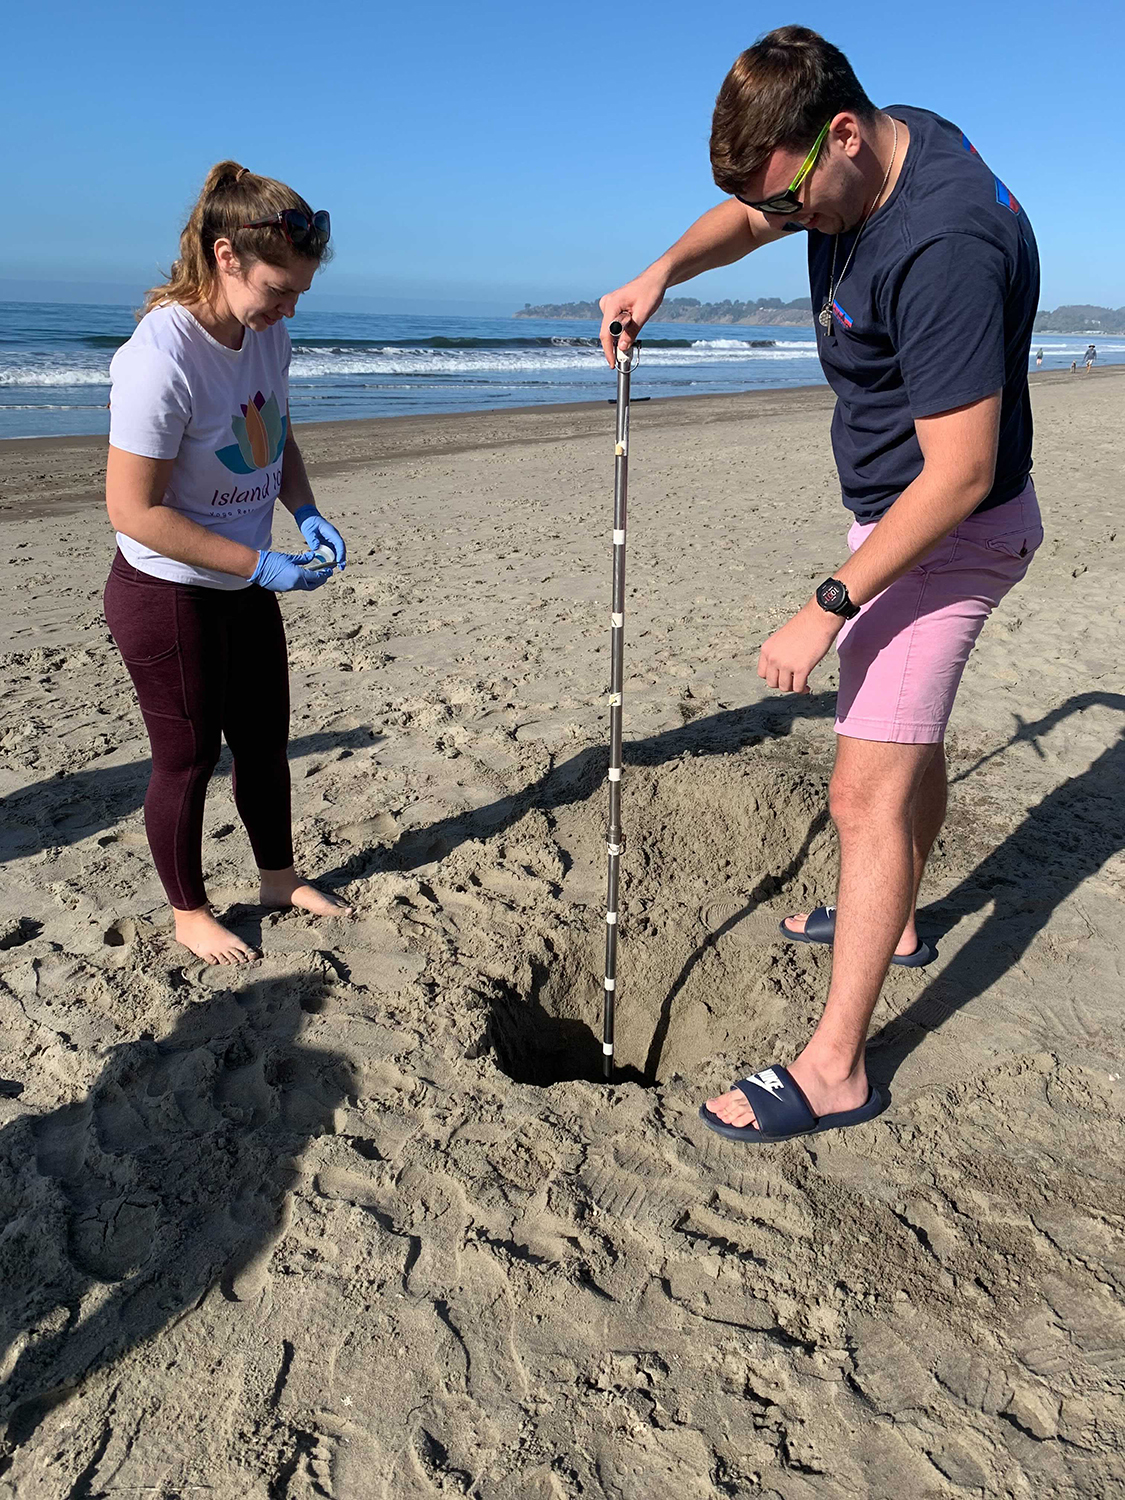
355	1222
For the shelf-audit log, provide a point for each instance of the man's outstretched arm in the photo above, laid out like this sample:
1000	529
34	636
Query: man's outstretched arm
723	235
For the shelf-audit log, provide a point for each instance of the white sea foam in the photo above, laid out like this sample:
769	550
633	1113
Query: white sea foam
517	362
48	375
51	371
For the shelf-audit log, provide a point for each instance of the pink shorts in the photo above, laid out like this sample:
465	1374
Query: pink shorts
902	656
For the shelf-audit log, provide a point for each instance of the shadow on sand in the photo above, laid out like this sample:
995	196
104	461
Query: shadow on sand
123	1210
1062	841
574	780
74	805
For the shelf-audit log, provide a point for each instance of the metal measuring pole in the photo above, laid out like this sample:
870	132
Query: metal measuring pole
615	838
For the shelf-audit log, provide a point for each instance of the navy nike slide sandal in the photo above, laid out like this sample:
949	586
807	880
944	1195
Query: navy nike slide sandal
821	928
783	1112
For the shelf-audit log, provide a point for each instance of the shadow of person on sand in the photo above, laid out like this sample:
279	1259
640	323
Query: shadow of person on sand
770	885
575	779
1062	841
124	1209
75	805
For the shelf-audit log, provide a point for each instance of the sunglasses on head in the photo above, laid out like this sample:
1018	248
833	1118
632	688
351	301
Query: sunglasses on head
296	226
789	201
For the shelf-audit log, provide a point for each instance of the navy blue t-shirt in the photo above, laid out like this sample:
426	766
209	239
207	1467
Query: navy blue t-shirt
936	311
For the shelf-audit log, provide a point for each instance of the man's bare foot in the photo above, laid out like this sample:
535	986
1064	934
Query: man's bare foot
826	1096
285	888
210	940
907	944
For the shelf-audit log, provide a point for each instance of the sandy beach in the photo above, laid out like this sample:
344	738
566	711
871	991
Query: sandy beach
358	1221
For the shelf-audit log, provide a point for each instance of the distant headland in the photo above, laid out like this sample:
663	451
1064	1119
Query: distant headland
766	311
773	312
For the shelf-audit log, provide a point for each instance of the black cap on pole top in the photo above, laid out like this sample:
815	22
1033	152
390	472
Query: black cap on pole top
616	329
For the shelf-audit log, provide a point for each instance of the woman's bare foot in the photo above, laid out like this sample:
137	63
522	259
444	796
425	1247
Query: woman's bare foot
285	888
210	940
907	944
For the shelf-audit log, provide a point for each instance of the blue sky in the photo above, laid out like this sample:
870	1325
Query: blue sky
477	156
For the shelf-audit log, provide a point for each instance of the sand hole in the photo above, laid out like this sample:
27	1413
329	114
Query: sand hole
718	847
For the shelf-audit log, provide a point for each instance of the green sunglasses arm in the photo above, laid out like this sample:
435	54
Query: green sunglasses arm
807	164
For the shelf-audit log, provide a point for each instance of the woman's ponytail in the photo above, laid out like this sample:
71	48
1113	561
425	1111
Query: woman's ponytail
231	197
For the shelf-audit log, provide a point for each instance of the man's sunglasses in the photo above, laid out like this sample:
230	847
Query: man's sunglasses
789	201
296	226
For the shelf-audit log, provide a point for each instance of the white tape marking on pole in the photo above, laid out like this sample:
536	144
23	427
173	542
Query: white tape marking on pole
611	917
615	700
617	621
615	848
607	1048
611	984
615	773
621	450
619	536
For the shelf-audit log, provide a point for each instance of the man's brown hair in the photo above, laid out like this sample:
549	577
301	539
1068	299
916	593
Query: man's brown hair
779	93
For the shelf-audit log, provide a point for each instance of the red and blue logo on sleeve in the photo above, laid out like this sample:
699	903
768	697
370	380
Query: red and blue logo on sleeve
1006	197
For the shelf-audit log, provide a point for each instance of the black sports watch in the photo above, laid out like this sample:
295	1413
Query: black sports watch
832	595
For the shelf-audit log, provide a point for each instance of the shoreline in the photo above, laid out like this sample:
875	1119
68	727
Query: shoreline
67	472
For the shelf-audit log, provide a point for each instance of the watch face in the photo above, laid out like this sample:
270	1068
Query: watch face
831	594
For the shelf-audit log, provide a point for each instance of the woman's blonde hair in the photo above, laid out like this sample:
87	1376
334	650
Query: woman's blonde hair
232	196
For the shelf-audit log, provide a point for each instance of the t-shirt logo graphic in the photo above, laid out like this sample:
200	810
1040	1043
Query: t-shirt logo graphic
259	436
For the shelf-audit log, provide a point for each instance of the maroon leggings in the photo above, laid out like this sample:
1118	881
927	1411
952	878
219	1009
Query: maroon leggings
206	663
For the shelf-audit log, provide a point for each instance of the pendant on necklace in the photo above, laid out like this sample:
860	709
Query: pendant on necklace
825	316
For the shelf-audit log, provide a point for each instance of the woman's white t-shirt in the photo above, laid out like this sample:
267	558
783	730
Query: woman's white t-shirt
220	413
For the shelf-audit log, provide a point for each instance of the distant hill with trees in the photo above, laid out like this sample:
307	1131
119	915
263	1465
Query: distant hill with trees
1082	317
1078	317
765	311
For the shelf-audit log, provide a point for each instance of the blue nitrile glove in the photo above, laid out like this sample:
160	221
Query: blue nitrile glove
320	533
284	571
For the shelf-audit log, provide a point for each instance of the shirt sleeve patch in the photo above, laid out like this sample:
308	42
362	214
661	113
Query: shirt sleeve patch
1005	197
842	315
968	145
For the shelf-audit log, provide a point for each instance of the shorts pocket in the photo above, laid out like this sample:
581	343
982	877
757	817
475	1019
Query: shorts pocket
1018	544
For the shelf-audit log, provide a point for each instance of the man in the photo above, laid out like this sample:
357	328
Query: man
925	280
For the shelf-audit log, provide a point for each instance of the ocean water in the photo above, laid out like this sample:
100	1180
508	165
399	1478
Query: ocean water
54	363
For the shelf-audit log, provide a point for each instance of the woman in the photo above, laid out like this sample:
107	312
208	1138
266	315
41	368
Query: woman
200	450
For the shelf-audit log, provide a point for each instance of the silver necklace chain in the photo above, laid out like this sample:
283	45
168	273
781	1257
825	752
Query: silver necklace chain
825	318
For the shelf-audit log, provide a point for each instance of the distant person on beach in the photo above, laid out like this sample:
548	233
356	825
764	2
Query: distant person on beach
1038	359
200	450
1089	357
925	280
